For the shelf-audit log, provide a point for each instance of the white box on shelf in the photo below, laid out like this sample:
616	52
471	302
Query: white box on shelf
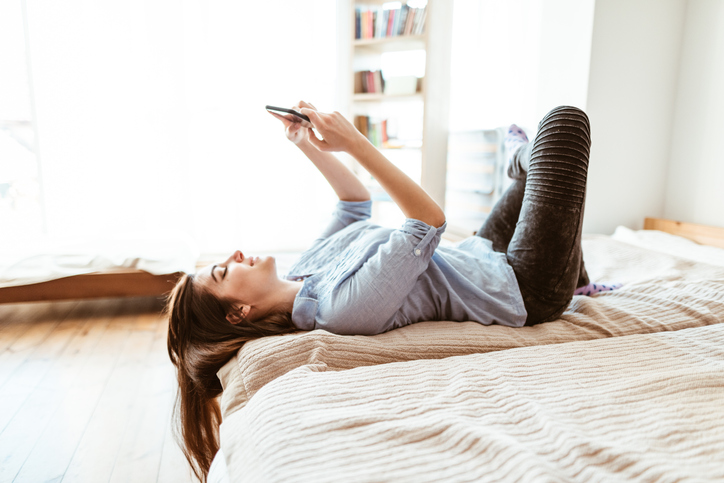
401	85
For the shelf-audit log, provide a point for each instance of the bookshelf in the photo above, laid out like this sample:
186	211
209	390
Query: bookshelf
414	117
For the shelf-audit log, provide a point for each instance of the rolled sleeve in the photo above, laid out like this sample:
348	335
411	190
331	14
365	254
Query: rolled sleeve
428	236
346	213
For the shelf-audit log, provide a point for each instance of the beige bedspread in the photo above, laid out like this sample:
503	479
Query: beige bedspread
644	407
662	292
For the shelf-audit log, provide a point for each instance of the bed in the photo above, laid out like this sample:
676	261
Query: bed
126	265
625	385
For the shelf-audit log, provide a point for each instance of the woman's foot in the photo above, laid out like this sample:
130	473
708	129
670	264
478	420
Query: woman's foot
513	141
594	288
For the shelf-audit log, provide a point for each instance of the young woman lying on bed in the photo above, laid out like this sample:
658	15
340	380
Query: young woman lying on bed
522	267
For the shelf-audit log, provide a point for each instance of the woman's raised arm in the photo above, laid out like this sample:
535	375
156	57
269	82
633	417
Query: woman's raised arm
340	135
343	181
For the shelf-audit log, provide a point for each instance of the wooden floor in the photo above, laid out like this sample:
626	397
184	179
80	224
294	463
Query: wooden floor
86	392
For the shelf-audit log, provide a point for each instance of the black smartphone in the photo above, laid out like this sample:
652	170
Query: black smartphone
288	111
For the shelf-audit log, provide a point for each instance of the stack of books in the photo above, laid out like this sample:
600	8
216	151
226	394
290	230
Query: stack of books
375	131
379	22
369	81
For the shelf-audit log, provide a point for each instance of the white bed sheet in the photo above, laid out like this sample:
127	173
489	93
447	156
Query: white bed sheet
157	253
671	245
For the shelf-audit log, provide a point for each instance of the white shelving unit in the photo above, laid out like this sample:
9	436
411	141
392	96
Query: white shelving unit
475	179
419	120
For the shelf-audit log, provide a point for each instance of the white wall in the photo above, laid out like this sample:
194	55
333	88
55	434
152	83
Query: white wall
564	54
647	72
514	61
635	52
695	185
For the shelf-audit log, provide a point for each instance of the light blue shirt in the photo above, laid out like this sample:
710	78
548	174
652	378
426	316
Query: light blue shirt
364	279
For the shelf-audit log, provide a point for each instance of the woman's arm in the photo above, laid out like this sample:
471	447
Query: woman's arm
409	196
340	135
344	182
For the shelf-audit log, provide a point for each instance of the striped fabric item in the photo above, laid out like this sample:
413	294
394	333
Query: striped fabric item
644	407
661	292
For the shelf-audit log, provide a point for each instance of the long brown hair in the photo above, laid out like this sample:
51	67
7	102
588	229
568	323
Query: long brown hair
200	342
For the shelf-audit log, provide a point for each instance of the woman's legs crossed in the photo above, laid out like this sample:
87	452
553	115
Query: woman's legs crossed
500	224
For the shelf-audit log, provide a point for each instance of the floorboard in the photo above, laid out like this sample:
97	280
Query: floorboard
86	391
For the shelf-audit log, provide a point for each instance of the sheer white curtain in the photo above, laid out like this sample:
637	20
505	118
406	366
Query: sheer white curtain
150	116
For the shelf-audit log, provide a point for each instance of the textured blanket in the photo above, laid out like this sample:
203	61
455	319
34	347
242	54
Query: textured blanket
642	407
663	291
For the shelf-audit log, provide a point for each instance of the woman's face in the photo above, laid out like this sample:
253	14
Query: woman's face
241	279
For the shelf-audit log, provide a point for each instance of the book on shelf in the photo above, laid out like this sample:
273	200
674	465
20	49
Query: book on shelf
380	22
369	81
374	130
377	132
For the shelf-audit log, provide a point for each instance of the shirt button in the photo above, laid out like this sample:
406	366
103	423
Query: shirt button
417	252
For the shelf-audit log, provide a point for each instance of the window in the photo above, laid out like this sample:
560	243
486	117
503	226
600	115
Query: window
150	116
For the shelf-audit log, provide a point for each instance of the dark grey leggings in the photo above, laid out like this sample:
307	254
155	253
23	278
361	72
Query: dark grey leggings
537	222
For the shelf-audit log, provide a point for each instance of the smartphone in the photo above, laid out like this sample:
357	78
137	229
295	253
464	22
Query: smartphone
288	111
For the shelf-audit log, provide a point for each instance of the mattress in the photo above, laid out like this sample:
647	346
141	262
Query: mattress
643	407
664	290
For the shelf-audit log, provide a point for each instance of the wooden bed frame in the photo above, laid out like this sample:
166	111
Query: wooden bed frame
137	283
702	234
121	283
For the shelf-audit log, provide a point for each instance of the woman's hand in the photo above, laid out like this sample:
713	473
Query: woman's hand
338	133
295	128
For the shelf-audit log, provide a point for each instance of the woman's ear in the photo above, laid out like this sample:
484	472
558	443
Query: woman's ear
239	314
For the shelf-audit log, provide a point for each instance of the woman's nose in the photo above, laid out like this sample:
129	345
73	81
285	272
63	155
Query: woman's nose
237	256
